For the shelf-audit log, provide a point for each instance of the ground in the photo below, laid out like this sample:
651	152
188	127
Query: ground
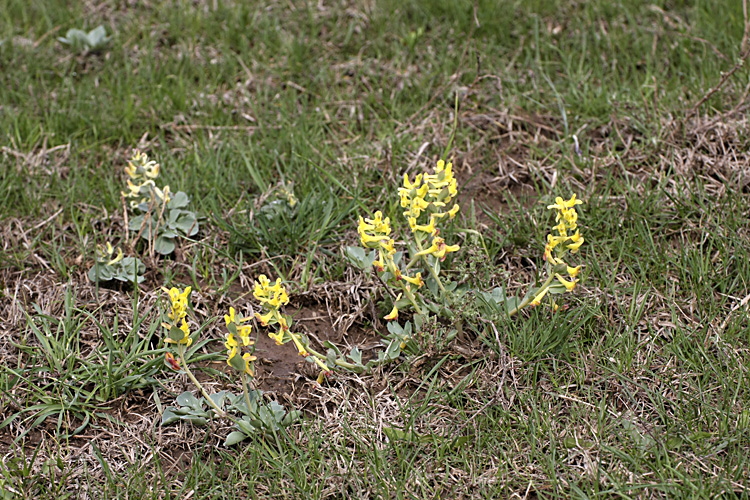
637	387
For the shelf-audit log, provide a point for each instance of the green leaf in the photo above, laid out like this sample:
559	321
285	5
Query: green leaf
291	418
186	224
235	437
432	285
356	355
232	328
247	426
330	357
178	200
419	320
136	222
393	350
195	420
218	398
511	303
237	362
355	254
557	288
168	417
163	245
187	398
359	257
100	272
176	334
332	346
395	328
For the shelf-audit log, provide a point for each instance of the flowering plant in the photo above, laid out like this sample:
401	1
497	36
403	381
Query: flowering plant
161	215
249	412
412	276
111	264
272	297
561	277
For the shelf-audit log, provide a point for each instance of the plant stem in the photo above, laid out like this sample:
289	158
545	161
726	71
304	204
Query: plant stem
528	300
410	296
181	351
247	395
395	272
434	274
320	357
429	267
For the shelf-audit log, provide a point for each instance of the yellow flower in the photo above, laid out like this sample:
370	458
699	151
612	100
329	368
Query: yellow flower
264	319
408	185
373	231
394	312
106	252
300	348
573	271
162	195
569	285
444	249
275	296
453	211
439	181
179	302
389	246
230	318
577	240
184	340
416	206
248	358
244	332
431	249
366	239
230	343
563	205
139	166
425	228
278	337
116	259
416	280
538	299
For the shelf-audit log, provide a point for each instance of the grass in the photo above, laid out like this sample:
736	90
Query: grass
639	389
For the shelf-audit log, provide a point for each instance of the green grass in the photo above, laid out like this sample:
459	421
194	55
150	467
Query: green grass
639	389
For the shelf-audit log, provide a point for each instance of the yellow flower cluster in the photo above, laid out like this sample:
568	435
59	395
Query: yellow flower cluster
141	173
236	328
429	194
567	219
272	297
106	254
568	238
177	313
375	233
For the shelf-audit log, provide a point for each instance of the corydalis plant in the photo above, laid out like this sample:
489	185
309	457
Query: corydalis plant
428	201
561	276
273	296
248	411
162	215
111	264
80	40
